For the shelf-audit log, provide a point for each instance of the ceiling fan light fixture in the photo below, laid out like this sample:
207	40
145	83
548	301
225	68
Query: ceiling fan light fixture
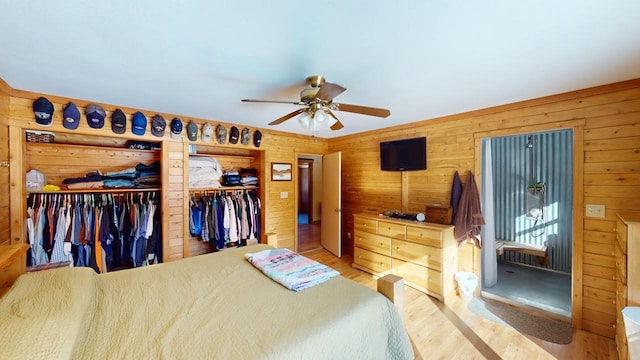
305	120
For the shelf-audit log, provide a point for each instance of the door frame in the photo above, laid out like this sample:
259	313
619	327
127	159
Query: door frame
578	202
310	163
296	176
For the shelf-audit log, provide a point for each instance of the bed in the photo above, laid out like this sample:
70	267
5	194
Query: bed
210	306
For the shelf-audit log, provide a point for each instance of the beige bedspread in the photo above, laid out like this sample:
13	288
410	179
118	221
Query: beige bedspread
215	306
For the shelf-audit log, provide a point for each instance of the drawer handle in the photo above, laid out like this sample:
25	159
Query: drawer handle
397	247
381	244
381	263
421	235
359	257
365	225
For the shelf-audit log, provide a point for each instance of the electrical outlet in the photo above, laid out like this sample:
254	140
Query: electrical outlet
284	195
595	211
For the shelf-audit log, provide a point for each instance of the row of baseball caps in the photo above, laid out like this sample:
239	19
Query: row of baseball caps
43	111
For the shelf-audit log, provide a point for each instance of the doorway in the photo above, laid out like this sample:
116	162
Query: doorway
528	203
309	202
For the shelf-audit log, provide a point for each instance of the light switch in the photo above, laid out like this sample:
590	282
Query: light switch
284	195
595	211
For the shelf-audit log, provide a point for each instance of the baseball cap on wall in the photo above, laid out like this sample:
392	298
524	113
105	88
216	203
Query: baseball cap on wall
257	138
207	132
71	116
43	110
246	136
95	116
234	135
118	122
176	128
192	131
139	123
158	124
221	133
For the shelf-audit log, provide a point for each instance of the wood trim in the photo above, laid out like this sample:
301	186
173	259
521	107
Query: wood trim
578	226
186	249
578	201
529	129
16	188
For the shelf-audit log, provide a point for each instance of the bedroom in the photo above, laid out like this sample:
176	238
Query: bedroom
607	115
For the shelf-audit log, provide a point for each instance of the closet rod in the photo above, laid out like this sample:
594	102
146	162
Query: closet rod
94	191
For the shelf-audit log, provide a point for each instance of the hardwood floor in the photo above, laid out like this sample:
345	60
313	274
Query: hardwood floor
452	331
308	237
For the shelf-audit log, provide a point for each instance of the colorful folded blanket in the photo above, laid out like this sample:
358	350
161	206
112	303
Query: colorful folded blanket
292	270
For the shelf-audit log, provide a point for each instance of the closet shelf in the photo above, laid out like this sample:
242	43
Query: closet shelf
225	156
92	191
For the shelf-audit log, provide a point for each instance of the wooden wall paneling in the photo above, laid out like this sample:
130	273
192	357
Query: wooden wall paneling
5	225
606	112
605	124
20	114
53	159
173	201
17	185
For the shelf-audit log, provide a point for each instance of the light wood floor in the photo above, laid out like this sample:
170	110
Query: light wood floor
451	331
308	237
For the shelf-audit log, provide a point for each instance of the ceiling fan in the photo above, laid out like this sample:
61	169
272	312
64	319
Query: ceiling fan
319	98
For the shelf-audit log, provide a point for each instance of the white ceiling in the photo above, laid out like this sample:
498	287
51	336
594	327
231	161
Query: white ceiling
420	59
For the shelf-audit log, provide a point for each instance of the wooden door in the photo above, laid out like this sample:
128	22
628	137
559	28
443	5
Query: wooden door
331	229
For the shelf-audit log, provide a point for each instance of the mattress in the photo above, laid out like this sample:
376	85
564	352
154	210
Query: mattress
215	306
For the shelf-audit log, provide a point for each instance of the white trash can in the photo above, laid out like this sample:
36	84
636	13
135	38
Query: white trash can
467	283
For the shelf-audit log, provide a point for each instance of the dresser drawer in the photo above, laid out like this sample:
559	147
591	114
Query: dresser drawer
376	243
425	236
419	275
621	263
374	261
418	254
363	224
391	230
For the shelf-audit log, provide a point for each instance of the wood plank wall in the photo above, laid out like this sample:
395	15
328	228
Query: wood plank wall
279	213
610	116
5	236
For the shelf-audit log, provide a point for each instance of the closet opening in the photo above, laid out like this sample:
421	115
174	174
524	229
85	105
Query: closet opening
309	202
527	196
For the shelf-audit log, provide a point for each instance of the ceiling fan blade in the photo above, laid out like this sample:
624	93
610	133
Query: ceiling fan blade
365	110
287	117
274	101
338	125
328	91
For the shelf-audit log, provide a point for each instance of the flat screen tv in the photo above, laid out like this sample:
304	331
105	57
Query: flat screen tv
404	155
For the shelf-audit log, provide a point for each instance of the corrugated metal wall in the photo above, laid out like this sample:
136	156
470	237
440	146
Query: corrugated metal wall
512	175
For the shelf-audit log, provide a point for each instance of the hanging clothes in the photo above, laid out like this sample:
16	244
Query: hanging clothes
94	230
469	217
225	218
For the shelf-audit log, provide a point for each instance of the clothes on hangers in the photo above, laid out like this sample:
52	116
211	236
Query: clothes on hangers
226	218
94	230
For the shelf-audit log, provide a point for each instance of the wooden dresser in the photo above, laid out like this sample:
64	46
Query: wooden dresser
424	254
627	252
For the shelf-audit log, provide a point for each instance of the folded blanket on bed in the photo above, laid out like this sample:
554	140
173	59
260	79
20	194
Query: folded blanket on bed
292	270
